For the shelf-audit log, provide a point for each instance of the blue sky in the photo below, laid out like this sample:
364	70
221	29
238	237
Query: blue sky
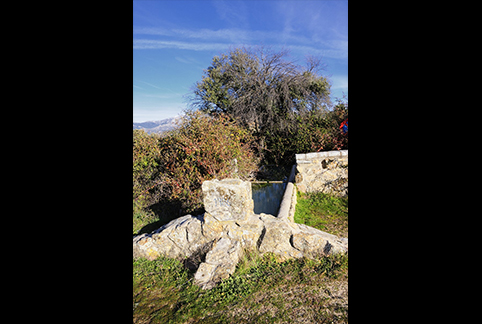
173	41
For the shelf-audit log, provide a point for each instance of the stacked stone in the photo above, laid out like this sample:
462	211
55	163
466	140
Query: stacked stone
323	172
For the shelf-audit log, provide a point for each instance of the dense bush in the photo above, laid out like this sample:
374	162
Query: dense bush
146	162
311	132
205	148
321	132
170	169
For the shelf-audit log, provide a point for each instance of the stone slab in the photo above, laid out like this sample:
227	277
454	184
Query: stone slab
228	199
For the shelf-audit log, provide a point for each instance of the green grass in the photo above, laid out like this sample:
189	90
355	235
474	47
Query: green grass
260	291
324	212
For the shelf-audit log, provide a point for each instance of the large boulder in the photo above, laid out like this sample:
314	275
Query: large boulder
178	239
314	243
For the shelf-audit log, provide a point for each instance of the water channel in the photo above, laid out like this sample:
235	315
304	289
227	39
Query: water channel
267	197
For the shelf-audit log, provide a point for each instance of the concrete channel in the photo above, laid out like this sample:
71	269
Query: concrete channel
287	202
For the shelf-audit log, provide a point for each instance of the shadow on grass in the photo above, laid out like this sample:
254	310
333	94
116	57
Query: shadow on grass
166	211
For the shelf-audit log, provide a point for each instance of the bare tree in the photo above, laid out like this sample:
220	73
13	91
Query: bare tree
260	88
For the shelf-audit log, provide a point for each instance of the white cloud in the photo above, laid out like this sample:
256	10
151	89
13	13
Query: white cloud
228	34
327	42
331	49
153	31
182	60
159	44
149	84
187	59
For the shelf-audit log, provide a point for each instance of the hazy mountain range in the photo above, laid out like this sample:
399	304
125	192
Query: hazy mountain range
157	126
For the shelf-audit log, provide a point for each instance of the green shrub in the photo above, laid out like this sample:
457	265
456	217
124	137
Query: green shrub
312	132
204	148
146	161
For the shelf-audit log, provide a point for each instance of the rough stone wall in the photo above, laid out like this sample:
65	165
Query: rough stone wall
323	172
214	242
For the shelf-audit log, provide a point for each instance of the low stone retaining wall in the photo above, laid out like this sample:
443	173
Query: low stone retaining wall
323	172
214	242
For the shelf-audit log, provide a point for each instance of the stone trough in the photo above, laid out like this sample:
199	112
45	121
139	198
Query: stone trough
214	242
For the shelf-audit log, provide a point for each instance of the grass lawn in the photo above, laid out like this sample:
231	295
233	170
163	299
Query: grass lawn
324	212
261	290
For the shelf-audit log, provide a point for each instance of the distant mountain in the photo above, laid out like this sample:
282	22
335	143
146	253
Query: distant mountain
158	126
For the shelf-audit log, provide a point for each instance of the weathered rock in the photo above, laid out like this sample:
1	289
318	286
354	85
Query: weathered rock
178	239
228	199
214	242
290	240
276	238
247	231
220	263
315	243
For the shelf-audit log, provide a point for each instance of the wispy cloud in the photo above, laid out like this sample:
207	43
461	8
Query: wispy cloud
183	60
207	39
186	59
149	84
234	34
314	27
159	44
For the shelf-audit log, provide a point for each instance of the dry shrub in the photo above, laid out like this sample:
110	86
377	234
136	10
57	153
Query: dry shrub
171	168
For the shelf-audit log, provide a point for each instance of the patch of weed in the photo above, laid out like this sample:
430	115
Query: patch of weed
260	290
